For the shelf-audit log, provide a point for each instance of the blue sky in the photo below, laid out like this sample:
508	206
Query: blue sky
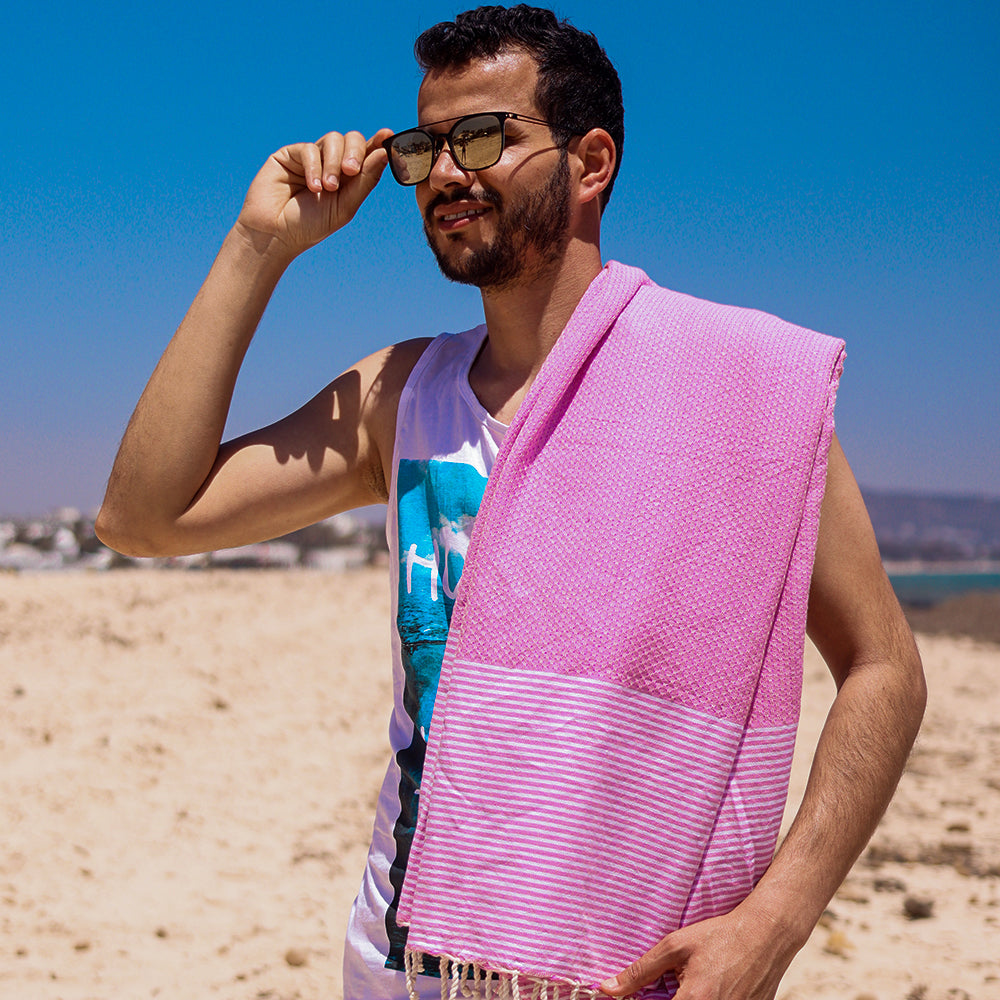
834	163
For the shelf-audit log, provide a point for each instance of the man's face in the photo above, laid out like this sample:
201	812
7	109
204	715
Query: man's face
509	223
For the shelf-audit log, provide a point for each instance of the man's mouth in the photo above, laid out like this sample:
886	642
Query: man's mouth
461	210
467	214
453	220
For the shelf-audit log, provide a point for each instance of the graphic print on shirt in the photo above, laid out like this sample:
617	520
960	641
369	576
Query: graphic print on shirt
437	503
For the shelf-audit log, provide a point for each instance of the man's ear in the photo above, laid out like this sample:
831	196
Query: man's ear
597	156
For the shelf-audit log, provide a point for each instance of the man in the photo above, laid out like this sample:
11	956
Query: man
511	202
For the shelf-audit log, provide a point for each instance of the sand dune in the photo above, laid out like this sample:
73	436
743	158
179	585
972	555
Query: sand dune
190	763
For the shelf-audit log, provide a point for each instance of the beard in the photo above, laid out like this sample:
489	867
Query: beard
539	222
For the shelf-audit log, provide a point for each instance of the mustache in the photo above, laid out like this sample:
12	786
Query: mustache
461	194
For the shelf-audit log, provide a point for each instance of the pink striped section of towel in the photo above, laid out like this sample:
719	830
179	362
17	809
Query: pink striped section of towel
578	882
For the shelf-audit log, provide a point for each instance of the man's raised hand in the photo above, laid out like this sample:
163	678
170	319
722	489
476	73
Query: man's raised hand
309	190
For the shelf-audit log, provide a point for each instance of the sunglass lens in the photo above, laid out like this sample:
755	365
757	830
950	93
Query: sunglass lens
411	156
477	141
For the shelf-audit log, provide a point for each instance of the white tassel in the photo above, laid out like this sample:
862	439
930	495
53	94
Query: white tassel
472	990
462	979
443	966
410	960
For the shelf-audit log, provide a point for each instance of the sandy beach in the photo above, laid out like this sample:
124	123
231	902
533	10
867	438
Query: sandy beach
190	765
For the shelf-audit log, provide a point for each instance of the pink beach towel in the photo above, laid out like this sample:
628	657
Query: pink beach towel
614	725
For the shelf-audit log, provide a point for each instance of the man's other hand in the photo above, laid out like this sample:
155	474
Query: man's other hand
306	191
738	956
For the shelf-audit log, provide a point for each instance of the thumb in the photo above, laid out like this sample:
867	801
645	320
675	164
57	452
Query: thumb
664	956
376	159
355	189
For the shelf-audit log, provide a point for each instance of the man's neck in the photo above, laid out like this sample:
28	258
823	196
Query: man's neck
524	322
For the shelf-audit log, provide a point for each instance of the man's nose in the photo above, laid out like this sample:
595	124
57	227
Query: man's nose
445	171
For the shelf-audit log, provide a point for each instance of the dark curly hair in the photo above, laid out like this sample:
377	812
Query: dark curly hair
577	85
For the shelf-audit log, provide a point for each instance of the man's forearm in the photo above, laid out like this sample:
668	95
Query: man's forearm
173	438
859	759
861	632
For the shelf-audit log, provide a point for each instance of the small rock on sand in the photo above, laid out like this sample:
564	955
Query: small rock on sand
838	944
917	908
296	956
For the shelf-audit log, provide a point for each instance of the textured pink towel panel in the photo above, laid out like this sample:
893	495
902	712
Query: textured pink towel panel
619	519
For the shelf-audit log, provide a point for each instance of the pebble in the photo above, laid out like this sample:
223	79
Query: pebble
849	896
889	885
838	944
296	956
918	908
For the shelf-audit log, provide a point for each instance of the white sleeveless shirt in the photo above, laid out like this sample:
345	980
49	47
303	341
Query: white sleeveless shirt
446	444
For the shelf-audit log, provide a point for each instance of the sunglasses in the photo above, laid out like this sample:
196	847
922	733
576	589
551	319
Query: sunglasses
475	141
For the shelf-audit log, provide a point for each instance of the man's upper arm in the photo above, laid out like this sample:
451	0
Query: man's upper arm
332	454
854	617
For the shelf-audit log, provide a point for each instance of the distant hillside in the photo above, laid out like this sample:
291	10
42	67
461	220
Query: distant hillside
935	528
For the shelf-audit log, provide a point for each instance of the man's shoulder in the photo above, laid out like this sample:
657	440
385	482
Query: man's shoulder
384	373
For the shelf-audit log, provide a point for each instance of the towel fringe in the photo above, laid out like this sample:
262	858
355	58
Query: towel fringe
475	981
413	963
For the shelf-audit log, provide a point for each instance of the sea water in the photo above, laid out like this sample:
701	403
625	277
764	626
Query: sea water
932	588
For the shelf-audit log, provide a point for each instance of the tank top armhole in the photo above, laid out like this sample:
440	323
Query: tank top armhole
405	399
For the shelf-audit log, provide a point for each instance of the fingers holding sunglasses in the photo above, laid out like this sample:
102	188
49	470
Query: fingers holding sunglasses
342	156
352	166
308	190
